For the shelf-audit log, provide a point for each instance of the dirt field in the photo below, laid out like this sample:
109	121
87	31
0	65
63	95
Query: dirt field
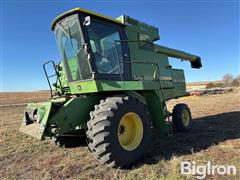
215	137
8	98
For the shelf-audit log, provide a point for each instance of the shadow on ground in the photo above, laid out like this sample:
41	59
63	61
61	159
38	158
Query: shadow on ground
206	131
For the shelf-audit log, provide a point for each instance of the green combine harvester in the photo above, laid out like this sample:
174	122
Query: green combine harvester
111	86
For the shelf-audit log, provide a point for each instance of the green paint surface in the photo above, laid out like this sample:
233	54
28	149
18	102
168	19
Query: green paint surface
157	111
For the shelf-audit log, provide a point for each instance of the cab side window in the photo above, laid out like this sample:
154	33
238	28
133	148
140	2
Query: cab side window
107	50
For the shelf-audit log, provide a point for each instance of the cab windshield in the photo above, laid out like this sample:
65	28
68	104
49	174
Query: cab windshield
70	42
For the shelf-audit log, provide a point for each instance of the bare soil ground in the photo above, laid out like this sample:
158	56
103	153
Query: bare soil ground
9	98
215	137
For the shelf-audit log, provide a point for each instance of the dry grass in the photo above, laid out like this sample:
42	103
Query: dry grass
215	137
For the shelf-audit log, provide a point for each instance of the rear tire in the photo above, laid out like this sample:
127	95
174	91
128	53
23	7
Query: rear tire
182	118
119	131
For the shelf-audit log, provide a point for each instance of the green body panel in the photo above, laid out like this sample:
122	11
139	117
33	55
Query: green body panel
157	112
168	86
150	32
105	85
73	114
83	87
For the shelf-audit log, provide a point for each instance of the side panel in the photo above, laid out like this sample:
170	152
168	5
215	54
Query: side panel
164	71
157	111
105	85
72	115
179	82
179	85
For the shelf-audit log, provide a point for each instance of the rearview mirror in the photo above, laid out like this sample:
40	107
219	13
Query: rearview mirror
87	21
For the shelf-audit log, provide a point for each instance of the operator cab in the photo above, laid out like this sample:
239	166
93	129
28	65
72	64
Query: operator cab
92	46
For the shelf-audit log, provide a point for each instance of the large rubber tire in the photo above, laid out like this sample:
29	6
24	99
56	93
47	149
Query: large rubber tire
103	131
182	118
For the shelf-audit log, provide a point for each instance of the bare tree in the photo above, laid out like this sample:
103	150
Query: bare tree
236	81
228	79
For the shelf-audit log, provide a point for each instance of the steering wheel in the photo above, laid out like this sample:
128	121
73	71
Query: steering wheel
115	68
106	57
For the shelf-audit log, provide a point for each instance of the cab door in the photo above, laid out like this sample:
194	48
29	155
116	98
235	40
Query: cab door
70	41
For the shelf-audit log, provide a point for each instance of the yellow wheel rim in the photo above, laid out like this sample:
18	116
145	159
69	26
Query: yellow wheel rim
185	118
130	131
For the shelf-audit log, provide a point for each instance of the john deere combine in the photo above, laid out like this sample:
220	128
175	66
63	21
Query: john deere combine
111	85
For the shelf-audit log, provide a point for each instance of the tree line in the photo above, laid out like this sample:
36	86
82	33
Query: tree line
228	80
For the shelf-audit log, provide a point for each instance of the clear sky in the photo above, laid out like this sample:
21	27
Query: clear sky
206	28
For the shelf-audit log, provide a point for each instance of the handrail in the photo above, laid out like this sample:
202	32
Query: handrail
56	74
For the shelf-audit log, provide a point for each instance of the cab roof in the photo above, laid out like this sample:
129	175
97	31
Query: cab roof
87	12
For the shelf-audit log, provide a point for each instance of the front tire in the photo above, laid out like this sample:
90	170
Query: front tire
119	131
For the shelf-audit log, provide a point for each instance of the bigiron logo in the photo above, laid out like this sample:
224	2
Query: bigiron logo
201	171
